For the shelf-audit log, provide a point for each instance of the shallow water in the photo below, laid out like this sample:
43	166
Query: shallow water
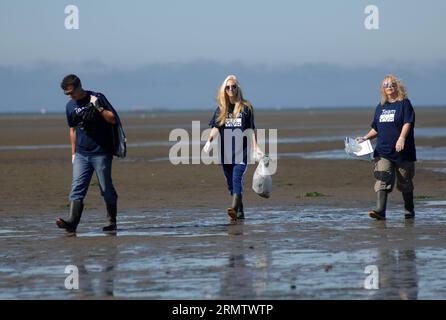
276	253
423	153
433	132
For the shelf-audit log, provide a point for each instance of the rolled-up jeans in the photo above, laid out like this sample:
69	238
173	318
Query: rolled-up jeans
83	167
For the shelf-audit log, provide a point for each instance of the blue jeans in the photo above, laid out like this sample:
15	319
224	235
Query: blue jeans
83	168
234	174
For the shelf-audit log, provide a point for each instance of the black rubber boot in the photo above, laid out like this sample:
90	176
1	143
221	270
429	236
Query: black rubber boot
240	212
233	210
70	224
112	211
409	210
381	202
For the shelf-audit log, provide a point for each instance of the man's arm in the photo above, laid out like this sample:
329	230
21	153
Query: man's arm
106	114
73	142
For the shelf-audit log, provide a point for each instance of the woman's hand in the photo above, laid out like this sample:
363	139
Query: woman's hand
372	134
207	147
400	144
258	154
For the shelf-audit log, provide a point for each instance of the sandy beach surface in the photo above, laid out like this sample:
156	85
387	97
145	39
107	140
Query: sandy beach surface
311	239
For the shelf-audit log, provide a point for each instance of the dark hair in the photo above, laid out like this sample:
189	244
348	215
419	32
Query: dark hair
71	80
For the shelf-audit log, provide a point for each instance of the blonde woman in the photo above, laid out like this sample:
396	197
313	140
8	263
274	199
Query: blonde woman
233	121
395	154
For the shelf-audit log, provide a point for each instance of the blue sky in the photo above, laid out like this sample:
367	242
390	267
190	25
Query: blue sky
127	34
152	54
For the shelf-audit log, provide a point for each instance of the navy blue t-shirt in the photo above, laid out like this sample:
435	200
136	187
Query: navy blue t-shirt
244	121
98	138
388	122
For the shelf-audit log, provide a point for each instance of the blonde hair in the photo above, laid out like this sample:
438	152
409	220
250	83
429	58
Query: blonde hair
400	89
223	100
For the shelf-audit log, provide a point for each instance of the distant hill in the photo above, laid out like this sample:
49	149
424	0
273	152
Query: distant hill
193	85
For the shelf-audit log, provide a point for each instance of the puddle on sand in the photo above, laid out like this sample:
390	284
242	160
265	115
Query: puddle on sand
423	153
276	253
433	132
434	203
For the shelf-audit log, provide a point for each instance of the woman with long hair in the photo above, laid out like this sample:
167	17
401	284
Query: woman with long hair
395	154
233	121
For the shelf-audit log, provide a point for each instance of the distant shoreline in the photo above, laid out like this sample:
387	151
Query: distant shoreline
262	109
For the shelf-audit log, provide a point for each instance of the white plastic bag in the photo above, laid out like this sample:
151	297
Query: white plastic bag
262	183
359	151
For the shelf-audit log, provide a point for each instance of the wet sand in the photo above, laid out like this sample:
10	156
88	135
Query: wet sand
174	240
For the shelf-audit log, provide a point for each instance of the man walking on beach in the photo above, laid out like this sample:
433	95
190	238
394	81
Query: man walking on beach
92	121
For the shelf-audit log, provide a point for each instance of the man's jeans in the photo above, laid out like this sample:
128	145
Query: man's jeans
83	168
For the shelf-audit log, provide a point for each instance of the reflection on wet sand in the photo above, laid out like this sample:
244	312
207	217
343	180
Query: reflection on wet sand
301	252
244	278
398	278
96	270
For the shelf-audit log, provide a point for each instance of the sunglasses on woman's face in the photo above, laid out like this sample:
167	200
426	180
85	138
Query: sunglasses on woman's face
389	85
233	87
